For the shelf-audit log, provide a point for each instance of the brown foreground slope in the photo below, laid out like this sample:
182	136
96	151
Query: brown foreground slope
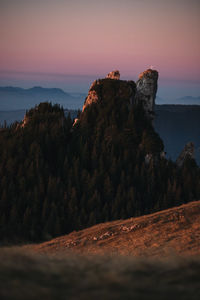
172	231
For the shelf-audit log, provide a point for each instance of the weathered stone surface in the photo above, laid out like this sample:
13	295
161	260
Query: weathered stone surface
92	95
146	90
114	75
187	152
143	92
91	98
107	89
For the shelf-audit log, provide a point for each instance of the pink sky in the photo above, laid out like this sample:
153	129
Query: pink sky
94	37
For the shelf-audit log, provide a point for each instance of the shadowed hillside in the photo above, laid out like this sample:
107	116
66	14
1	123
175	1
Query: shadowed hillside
176	125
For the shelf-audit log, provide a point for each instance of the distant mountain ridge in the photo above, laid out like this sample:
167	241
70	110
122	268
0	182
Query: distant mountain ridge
189	100
34	90
186	100
16	98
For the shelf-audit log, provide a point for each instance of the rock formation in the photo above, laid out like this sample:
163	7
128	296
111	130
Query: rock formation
24	121
143	92
146	90
106	89
114	75
187	152
92	95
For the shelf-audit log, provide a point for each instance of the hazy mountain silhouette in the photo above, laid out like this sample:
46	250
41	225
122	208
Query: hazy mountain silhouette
15	98
188	100
160	100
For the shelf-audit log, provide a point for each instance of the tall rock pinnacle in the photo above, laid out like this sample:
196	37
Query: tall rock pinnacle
146	90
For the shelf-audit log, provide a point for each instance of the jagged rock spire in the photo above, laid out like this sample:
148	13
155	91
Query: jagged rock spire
187	152
147	89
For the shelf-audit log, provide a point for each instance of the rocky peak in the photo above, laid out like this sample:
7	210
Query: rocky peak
187	152
106	88
146	90
114	75
149	73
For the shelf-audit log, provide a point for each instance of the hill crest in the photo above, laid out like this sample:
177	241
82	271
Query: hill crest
171	231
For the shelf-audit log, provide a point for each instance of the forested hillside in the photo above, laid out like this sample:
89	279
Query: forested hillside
176	125
56	177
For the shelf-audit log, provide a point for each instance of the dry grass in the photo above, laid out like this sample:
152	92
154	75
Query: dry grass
32	276
159	259
174	231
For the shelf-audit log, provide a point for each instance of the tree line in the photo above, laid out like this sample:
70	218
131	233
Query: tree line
56	177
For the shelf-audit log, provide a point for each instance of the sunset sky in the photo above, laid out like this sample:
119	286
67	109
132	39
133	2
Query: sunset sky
65	43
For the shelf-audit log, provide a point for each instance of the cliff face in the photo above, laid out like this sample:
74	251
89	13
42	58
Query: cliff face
92	95
121	120
110	88
144	91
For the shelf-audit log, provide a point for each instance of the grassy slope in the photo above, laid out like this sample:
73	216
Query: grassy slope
172	231
32	272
